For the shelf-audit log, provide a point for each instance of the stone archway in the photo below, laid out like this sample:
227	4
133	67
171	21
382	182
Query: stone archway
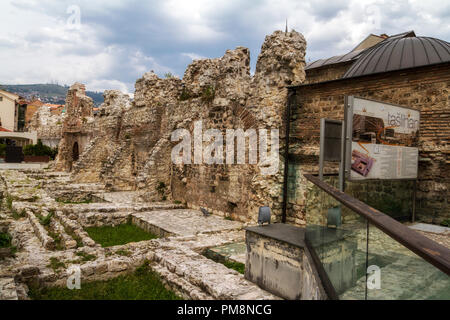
75	152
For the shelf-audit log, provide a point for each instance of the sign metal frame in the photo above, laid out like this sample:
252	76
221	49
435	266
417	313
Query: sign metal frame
348	123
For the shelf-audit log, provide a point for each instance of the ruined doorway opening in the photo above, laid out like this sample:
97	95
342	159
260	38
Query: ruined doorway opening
75	152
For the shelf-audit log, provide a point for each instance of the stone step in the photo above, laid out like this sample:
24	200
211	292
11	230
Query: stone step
8	290
75	228
182	222
213	278
234	252
40	232
101	207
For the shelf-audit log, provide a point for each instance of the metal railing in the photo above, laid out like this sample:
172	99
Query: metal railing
347	236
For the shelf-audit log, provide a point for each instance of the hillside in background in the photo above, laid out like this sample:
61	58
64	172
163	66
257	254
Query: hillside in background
48	93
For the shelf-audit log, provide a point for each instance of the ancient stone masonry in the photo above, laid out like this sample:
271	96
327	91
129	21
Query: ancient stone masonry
128	145
47	125
77	129
46	251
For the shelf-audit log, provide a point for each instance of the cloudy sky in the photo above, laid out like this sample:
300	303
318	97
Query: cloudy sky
116	41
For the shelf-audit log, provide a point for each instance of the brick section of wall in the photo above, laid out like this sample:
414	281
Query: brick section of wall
326	73
425	89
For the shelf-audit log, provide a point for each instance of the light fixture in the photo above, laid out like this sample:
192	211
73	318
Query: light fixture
264	215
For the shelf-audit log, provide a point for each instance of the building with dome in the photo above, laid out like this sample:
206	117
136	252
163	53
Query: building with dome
403	69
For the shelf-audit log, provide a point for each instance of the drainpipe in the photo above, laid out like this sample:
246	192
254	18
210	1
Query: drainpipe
290	98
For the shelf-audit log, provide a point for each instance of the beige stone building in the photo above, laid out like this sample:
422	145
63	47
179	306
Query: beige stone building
8	110
11	106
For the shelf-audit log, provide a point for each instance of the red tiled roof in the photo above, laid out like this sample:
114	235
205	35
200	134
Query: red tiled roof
4	130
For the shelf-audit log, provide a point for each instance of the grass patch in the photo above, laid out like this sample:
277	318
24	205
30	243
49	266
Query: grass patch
74	237
45	220
239	267
57	239
5	240
55	264
18	215
143	284
208	94
122	234
185	95
9	202
85	257
123	252
445	223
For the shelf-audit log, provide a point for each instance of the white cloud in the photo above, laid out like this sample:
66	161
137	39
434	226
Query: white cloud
193	56
120	40
45	50
192	19
101	85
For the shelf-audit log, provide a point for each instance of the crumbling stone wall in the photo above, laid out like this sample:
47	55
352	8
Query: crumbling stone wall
425	89
105	141
130	149
48	126
77	128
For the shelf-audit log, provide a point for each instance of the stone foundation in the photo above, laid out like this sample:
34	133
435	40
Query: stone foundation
279	262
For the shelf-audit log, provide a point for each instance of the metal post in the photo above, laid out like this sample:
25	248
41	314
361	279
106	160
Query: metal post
322	147
342	162
290	96
348	123
414	201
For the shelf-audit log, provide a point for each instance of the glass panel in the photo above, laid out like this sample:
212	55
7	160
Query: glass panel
403	275
338	236
392	197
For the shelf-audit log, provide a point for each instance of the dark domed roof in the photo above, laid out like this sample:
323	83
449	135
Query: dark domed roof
397	54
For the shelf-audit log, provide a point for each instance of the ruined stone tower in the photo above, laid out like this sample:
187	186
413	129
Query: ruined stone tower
76	133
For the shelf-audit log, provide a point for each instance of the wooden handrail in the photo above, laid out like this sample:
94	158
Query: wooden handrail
429	250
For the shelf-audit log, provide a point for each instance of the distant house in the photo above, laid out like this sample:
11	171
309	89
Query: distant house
55	109
12	120
9	110
31	108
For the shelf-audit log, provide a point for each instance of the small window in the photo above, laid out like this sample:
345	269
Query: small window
1	98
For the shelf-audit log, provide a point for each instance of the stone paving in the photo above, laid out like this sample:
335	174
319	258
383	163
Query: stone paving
177	256
430	228
439	234
235	252
185	222
124	197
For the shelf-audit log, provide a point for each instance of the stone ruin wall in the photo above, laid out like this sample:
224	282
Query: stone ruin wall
77	127
47	125
127	146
